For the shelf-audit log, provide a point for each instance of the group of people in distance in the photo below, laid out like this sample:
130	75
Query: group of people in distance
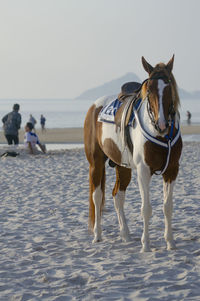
34	121
12	124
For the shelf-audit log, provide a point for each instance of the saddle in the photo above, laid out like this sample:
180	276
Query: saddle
130	98
127	90
120	112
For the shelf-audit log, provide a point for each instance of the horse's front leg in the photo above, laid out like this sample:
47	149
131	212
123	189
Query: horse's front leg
167	209
119	206
144	177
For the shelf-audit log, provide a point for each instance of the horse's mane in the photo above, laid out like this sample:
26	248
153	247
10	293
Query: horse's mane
175	93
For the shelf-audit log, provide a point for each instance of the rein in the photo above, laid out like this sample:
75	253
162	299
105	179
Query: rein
151	116
168	144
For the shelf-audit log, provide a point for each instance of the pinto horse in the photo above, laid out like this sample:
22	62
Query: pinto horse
152	144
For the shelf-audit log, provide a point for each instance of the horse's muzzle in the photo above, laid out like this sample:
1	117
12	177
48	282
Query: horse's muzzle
162	127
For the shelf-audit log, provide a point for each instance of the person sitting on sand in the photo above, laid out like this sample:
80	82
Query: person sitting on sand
31	140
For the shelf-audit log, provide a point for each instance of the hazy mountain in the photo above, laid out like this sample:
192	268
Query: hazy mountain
114	86
109	88
189	95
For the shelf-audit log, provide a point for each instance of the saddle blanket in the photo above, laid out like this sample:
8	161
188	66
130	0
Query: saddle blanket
107	113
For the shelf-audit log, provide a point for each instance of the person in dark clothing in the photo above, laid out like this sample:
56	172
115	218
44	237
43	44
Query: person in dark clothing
42	122
11	125
189	115
33	121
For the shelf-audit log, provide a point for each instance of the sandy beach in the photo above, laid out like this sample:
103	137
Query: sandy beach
47	252
64	135
75	135
190	129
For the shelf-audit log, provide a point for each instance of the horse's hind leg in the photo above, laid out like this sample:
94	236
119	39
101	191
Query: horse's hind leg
123	177
97	196
167	209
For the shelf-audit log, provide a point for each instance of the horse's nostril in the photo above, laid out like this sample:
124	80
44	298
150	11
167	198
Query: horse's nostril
162	125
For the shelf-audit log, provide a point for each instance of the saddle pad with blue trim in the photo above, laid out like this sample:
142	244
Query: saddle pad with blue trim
107	113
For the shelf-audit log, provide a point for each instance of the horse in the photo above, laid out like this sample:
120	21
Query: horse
151	144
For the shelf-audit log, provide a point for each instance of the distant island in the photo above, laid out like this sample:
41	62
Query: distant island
113	87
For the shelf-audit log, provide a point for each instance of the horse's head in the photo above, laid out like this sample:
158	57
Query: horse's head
161	92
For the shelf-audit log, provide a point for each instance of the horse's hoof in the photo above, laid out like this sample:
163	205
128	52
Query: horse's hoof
171	246
145	249
125	235
126	238
96	240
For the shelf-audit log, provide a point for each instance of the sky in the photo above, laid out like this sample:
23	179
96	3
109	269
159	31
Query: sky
60	48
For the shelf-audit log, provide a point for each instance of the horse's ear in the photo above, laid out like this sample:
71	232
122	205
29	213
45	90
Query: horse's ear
147	67
169	65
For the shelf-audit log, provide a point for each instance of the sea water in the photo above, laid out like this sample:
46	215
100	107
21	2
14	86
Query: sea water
59	113
67	113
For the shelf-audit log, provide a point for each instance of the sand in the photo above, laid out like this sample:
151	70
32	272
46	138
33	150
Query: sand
64	135
190	129
46	252
75	135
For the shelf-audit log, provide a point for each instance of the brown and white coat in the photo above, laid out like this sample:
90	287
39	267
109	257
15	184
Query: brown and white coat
104	140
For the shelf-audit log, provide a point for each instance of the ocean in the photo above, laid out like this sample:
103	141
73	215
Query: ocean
66	113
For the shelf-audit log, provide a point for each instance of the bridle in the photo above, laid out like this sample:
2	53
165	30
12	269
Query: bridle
171	139
171	114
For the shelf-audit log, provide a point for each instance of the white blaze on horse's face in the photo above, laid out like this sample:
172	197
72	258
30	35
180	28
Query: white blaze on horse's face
161	116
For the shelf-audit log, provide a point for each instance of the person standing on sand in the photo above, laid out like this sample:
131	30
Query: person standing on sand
33	121
189	115
42	122
31	140
11	125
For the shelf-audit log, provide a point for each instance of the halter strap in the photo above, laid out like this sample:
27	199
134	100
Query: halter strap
168	144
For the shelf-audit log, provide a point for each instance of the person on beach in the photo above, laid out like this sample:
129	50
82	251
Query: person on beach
31	140
42	122
33	121
189	115
11	125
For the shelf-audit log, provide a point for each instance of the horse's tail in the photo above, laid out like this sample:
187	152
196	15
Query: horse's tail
103	180
91	203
